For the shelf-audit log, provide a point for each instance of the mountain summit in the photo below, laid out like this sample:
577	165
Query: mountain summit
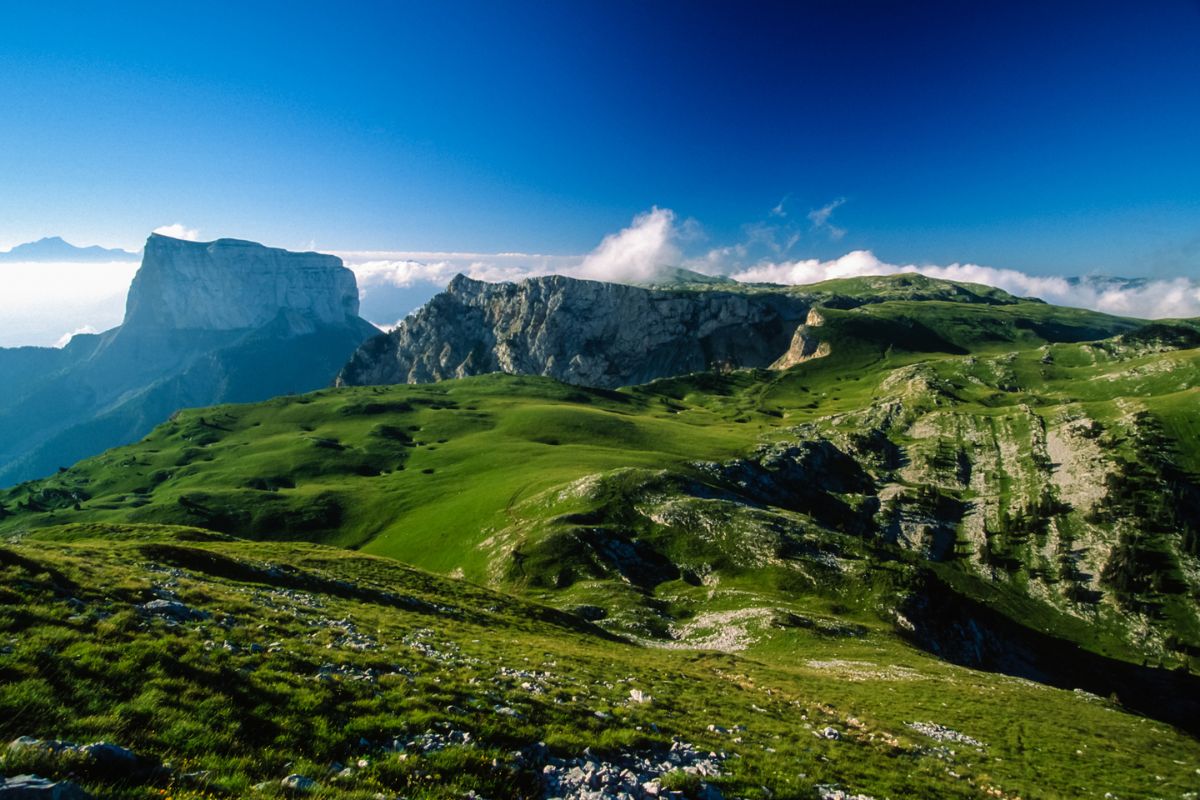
231	284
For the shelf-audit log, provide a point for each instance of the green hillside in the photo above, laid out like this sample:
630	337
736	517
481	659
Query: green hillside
370	677
958	497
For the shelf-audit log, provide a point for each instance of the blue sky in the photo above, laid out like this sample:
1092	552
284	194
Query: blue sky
1059	137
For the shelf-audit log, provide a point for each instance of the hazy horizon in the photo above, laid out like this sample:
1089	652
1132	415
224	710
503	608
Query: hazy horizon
45	303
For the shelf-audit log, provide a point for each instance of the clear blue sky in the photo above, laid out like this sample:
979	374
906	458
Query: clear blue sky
1044	136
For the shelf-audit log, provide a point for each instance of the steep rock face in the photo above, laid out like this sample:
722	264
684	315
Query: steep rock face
806	344
581	332
233	285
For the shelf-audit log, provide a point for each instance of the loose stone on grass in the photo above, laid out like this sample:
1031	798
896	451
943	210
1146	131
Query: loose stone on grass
31	787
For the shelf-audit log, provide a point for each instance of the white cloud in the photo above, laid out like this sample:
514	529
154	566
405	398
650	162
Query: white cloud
1150	299
42	300
179	231
395	283
632	254
779	210
392	284
403	268
819	217
635	253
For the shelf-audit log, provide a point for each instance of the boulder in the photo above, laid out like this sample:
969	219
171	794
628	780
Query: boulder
42	745
172	610
110	758
31	787
298	784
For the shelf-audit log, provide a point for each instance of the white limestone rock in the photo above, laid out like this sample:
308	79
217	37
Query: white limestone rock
582	332
231	284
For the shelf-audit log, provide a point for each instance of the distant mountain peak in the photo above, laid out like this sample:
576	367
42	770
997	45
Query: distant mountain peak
669	277
55	248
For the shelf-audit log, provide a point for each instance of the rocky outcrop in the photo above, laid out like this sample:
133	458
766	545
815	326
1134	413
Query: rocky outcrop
235	285
581	332
806	343
32	787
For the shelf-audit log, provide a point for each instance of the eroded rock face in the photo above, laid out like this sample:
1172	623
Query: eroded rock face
235	285
582	332
806	344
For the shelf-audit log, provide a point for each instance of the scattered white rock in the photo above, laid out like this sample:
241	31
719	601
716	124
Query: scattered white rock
941	733
832	792
298	784
629	776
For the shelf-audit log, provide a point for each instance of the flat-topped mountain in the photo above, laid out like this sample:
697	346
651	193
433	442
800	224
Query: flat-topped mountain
205	323
231	284
55	248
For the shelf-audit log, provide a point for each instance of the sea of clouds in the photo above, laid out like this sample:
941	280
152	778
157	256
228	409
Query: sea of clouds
45	304
657	238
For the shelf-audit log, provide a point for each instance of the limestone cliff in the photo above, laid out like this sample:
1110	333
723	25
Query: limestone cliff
806	344
578	331
235	285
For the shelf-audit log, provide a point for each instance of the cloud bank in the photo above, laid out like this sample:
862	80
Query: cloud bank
394	284
45	303
1149	298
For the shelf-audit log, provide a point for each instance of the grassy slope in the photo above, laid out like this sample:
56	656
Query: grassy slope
433	651
476	446
431	475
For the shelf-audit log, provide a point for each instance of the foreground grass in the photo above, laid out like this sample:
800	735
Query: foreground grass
312	658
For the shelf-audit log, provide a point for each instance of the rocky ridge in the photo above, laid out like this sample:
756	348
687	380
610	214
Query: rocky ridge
55	249
607	335
582	332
